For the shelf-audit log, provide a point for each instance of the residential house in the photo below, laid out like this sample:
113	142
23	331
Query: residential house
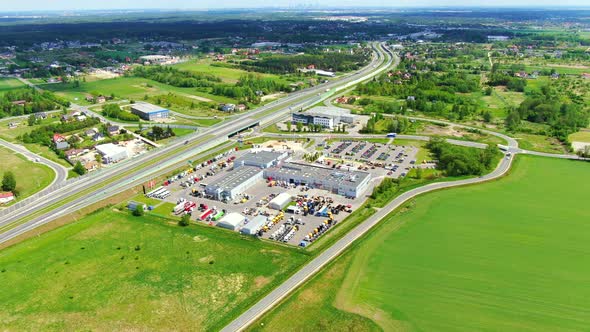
98	137
41	115
241	107
101	99
113	130
19	102
227	107
58	138
554	76
6	197
72	153
90	132
66	118
62	145
312	66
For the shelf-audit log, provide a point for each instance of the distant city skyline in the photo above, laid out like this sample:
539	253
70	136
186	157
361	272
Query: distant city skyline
38	5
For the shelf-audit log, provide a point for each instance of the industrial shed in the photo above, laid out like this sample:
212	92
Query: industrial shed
231	221
279	202
112	153
255	225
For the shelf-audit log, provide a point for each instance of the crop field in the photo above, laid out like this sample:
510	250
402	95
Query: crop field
30	176
10	84
112	271
515	260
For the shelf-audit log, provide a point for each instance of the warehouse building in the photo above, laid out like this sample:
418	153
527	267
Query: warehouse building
235	183
325	116
280	202
149	112
345	183
260	159
254	225
111	153
231	221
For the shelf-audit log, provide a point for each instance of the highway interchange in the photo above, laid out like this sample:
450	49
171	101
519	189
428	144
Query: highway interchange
216	139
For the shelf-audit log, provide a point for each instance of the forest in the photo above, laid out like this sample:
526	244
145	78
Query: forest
460	161
28	101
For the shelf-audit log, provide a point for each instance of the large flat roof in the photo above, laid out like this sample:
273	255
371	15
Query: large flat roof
110	149
321	173
264	157
235	178
147	108
327	111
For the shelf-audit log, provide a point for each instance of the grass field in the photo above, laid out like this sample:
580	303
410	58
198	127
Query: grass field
581	136
30	177
7	84
509	255
540	143
228	75
112	271
125	88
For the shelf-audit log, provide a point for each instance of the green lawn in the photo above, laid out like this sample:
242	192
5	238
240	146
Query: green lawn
228	75
508	255
11	134
539	143
112	271
125	88
7	84
30	176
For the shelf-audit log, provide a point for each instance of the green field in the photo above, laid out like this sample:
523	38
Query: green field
509	255
30	177
111	271
581	136
226	73
10	84
126	88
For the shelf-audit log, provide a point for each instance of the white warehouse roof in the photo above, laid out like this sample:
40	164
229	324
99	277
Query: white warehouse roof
279	202
231	221
110	149
254	225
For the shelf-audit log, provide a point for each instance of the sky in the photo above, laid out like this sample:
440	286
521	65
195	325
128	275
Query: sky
14	5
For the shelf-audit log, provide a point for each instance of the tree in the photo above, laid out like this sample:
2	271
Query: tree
185	220
79	168
299	126
487	116
138	212
419	173
8	181
98	158
32	120
289	126
513	120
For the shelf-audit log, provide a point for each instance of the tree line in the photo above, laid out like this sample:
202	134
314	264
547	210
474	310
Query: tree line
34	102
456	160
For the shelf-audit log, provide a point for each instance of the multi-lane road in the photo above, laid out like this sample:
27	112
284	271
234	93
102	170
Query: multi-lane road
177	152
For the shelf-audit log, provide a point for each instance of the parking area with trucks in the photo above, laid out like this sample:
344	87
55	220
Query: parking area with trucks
273	193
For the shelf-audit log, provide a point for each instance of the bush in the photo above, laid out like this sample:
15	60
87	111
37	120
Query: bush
185	220
138	212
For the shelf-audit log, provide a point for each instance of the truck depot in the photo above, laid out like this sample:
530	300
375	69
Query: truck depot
272	193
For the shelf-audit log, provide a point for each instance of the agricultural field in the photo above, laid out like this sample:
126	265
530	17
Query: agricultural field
10	84
111	270
503	264
30	176
581	136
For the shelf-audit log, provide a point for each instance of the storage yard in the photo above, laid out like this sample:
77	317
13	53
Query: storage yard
274	194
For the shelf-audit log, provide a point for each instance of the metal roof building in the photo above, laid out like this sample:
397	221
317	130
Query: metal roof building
260	159
346	183
111	153
279	202
149	112
236	182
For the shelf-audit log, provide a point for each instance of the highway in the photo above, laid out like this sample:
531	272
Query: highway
199	142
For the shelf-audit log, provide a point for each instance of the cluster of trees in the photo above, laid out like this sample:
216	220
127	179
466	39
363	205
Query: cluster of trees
44	135
547	107
281	64
158	133
35	102
427	92
9	182
250	88
458	161
114	111
175	77
388	125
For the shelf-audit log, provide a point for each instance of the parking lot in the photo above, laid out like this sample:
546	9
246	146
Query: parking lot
395	160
